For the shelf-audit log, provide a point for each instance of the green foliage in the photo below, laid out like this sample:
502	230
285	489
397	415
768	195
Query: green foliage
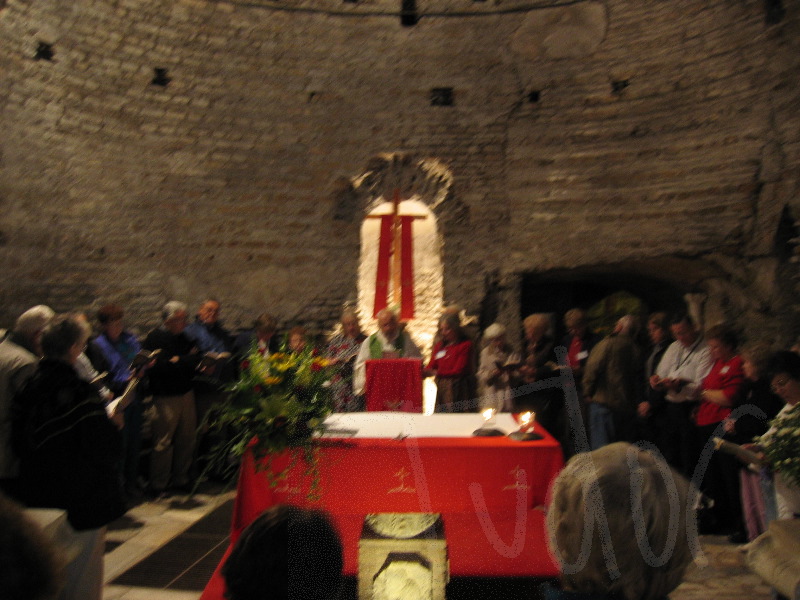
781	445
278	404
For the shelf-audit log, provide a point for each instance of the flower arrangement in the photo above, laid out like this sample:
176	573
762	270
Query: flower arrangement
278	403
781	445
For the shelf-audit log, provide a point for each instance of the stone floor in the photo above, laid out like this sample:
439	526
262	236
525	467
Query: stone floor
725	575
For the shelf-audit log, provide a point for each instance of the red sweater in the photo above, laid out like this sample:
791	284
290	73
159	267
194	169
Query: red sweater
454	360
727	377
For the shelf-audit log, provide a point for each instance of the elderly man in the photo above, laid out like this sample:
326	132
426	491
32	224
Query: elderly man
175	419
682	369
390	341
216	343
612	384
206	330
19	354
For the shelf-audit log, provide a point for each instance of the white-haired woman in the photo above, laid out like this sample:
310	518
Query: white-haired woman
497	361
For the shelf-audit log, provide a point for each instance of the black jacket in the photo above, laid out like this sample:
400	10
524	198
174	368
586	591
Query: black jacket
68	448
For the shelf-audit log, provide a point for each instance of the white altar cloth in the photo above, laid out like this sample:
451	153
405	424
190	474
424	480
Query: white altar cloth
403	424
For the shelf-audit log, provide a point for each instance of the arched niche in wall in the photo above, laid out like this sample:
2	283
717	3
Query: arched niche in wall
423	187
427	266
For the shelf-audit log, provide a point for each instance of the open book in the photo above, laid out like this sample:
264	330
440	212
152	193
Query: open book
143	359
210	360
118	405
511	364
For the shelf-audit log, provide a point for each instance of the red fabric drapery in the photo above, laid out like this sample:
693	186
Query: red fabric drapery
384	261
406	268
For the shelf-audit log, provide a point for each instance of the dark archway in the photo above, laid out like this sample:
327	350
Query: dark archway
558	291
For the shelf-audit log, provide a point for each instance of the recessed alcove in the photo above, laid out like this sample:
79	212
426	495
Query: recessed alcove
558	291
427	263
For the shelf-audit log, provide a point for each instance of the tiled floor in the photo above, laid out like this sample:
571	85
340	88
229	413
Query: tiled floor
149	526
145	529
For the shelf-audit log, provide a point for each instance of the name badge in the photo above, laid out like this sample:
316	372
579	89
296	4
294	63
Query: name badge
583	354
441	354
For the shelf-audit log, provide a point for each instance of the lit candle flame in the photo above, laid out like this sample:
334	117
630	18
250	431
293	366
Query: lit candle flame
488	414
526	421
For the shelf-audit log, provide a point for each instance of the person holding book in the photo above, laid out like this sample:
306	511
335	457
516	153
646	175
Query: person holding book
680	372
69	452
175	421
113	351
539	362
498	360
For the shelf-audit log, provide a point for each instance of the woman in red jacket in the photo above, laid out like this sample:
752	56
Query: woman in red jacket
453	365
716	396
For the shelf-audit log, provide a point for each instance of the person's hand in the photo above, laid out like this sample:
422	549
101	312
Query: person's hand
729	425
139	373
656	382
174	359
673	385
643	410
115	415
757	449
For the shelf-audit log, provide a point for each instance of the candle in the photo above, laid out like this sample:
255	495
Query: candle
526	421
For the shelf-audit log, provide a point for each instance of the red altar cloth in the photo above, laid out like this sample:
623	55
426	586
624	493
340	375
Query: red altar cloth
490	491
394	384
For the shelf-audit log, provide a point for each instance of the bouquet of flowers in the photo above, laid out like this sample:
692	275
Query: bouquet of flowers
781	445
278	403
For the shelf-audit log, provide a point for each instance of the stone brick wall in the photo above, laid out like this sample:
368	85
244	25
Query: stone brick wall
652	137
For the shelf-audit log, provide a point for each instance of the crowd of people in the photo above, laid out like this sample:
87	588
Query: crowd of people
675	392
72	405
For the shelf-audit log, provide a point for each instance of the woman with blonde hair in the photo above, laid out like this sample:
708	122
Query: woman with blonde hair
618	526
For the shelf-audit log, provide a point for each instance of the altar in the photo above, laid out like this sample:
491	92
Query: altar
394	384
490	490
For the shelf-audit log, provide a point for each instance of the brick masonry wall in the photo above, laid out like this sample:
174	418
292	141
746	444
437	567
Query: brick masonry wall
668	136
